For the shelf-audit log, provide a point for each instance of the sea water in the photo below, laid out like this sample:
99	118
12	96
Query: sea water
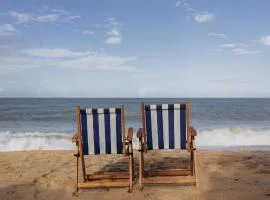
48	124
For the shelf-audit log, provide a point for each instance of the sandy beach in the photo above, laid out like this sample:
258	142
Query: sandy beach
51	175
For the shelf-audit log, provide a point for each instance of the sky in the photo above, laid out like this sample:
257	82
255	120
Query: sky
142	48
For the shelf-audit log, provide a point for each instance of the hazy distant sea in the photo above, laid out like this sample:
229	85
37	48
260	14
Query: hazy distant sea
31	124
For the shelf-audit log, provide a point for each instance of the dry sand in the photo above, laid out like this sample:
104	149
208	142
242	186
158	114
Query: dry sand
51	175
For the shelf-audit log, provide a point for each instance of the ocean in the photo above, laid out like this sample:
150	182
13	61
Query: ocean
49	123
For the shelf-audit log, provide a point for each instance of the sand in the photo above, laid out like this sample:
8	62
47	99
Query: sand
51	175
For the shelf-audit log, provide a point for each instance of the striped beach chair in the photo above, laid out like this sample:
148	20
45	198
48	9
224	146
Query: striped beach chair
164	127
102	131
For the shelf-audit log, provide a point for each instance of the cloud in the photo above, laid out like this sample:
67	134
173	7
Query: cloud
74	17
47	18
114	37
265	40
61	11
190	9
30	17
1	89
243	51
230	45
237	49
66	58
43	15
99	61
217	50
178	3
111	22
7	29
218	35
204	17
181	3
87	32
55	53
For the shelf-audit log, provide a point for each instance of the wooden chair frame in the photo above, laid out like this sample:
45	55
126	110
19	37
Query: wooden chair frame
171	176
105	179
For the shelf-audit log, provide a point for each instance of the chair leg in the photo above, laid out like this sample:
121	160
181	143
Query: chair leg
77	171
133	164
83	168
192	161
130	168
141	168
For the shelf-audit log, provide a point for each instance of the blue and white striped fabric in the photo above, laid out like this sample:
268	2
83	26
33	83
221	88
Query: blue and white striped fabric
166	126
101	131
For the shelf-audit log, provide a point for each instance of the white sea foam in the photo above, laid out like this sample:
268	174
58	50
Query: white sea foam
235	136
221	138
35	141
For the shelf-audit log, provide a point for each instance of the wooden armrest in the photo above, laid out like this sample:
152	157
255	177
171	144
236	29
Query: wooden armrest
193	131
140	133
130	134
75	138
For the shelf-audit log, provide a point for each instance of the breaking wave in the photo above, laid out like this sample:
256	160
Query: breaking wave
35	141
219	138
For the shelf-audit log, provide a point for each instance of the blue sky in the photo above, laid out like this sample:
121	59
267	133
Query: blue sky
142	48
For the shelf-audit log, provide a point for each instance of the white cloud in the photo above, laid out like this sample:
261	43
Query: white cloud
74	17
201	17
61	11
111	22
238	49
47	18
190	9
1	89
55	53
30	17
204	17
230	45
217	50
43	15
243	51
21	17
99	61
185	6
113	40
178	3
87	32
66	58
218	35
265	40
114	37
7	29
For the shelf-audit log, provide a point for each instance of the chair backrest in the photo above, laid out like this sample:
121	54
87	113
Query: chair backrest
101	130
166	126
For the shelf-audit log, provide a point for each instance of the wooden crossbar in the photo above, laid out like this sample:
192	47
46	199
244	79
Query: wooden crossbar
104	183
108	175
184	180
169	172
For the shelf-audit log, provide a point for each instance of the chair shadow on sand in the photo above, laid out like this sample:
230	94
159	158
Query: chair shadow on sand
155	161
